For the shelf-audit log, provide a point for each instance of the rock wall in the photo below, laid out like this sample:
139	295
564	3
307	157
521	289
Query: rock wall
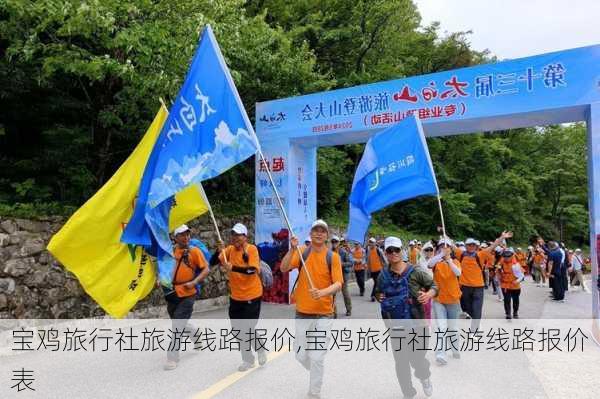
34	285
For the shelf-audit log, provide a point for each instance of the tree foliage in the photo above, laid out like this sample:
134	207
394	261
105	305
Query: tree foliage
80	82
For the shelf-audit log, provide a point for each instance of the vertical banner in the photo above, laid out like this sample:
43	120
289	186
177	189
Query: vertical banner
269	219
303	189
271	233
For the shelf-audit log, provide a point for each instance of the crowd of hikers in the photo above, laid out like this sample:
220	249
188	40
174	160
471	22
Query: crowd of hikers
440	279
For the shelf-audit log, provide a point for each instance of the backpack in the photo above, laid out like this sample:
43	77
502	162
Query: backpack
398	301
169	292
194	242
305	254
266	275
346	261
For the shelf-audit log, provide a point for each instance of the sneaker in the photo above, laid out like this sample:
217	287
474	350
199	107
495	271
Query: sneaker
170	365
441	360
262	357
515	316
348	313
508	317
245	366
313	395
456	355
427	387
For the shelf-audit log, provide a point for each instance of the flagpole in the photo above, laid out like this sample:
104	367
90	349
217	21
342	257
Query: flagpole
204	197
439	198
253	134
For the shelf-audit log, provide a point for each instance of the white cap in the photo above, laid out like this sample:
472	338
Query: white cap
428	244
508	250
307	239
411	242
499	249
530	247
392	242
240	229
469	241
484	245
519	249
460	243
181	229
443	241
419	242
578	250
335	238
372	240
319	223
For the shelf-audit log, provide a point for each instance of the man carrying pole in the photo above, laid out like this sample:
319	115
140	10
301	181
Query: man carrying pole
314	301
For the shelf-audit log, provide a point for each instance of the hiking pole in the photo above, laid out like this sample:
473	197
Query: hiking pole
204	197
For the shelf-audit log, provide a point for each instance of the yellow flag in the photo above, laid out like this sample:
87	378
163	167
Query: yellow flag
114	274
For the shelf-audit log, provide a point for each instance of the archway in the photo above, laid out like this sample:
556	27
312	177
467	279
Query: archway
540	90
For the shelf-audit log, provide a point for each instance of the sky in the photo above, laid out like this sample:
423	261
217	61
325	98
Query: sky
518	28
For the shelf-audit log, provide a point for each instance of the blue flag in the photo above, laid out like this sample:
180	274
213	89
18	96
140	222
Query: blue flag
395	166
207	132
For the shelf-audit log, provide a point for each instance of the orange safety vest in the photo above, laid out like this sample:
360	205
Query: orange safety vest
358	254
508	280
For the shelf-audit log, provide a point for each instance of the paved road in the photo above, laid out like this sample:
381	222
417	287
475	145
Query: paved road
355	374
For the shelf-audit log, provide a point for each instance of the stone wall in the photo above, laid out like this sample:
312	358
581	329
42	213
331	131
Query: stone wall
36	286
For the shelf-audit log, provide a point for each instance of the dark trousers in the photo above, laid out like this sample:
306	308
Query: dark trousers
564	279
244	316
374	276
471	302
360	280
511	295
180	312
407	356
558	291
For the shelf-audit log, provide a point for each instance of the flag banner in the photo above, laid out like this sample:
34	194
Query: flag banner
206	133
395	166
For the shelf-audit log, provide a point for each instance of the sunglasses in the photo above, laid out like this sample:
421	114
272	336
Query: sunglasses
392	250
428	249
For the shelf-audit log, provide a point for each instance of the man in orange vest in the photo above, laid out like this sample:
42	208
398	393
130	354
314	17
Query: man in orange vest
375	261
511	276
180	301
358	257
413	253
242	264
471	277
314	297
